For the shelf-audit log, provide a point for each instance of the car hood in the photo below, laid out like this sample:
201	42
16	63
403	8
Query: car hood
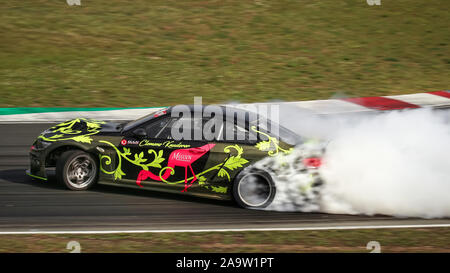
80	130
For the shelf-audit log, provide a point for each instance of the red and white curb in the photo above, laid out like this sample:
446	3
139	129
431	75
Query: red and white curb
436	99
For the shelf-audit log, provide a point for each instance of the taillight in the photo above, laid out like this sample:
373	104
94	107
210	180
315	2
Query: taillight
312	162
32	148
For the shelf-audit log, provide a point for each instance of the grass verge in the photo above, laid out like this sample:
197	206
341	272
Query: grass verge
150	53
391	240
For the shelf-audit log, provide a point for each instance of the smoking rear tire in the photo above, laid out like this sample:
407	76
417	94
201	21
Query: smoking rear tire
253	188
77	170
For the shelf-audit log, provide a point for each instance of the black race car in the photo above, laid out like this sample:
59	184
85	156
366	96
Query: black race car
210	159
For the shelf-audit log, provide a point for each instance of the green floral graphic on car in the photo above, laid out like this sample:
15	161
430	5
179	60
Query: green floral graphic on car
232	163
68	131
138	160
272	144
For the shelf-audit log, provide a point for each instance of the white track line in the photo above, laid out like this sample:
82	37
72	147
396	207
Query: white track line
221	230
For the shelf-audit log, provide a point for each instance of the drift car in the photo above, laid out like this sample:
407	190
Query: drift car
144	154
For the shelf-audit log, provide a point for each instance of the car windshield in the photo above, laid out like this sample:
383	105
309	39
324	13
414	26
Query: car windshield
144	119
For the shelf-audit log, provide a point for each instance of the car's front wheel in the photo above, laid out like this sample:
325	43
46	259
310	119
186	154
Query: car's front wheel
77	170
254	188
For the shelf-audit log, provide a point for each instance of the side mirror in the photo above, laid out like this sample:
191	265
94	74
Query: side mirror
140	132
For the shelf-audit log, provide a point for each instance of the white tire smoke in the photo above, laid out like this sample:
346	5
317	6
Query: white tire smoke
395	163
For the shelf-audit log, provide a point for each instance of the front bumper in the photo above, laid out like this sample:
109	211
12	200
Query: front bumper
28	172
37	165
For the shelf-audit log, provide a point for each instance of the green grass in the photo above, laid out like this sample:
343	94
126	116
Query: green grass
391	240
149	53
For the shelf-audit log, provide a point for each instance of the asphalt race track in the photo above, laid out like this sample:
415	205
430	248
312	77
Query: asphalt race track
31	205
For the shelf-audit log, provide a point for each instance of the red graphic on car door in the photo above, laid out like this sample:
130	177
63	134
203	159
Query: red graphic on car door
182	158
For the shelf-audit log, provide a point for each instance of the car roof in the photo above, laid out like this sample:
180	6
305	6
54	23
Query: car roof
228	110
234	114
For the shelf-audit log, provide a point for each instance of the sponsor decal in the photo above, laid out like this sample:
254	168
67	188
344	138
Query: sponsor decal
182	158
129	142
165	144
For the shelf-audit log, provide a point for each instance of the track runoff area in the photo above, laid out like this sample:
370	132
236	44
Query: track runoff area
435	100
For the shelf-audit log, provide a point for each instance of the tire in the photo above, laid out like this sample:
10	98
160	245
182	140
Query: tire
77	170
253	188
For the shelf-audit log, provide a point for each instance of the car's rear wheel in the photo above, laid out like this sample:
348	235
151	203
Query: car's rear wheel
254	188
77	170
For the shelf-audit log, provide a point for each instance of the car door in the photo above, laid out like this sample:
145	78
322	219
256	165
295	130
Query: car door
230	155
160	161
137	150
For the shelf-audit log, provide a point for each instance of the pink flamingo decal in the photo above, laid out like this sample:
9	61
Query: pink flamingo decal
182	158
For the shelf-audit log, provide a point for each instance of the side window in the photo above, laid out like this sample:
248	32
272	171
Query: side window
163	127
212	129
200	129
190	128
232	132
155	128
197	129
